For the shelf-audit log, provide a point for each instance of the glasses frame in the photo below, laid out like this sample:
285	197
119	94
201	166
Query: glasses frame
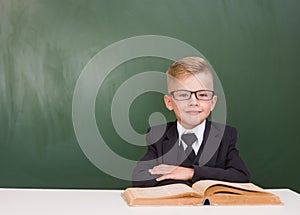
191	93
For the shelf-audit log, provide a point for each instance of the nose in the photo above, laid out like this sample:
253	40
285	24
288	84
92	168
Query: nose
193	100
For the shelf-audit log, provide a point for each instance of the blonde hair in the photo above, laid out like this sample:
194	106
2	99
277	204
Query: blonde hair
188	66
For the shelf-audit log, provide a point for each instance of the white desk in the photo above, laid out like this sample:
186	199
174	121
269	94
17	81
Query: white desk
86	202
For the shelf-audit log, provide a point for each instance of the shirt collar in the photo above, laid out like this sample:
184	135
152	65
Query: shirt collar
198	131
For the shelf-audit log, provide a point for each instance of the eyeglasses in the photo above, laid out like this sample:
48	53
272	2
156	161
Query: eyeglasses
182	95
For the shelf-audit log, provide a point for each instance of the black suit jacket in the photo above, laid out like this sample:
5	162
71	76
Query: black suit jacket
217	158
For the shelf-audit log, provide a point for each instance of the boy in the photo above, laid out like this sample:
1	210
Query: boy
192	148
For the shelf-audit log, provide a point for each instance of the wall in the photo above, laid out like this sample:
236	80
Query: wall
45	45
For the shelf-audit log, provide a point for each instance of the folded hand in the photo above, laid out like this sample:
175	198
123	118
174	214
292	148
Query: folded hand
172	172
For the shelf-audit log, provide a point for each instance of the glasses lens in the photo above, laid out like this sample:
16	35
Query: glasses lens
205	95
181	95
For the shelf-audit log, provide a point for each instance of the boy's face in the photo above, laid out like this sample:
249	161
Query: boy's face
192	112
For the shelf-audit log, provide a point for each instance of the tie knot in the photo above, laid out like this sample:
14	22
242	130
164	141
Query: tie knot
189	139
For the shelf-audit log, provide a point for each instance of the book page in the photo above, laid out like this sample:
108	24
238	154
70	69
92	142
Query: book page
202	185
161	191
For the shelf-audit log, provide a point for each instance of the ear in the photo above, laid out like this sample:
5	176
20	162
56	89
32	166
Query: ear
168	102
213	102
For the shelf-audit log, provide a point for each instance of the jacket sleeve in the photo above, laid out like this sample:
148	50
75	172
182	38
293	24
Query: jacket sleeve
229	166
141	176
153	157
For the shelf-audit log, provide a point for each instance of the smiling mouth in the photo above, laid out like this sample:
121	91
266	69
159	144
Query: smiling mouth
193	112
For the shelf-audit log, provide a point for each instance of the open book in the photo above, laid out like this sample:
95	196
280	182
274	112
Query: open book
203	192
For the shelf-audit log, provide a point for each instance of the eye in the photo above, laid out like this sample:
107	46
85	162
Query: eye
183	94
203	95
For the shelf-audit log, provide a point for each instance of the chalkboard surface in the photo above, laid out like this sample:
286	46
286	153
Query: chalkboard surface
46	45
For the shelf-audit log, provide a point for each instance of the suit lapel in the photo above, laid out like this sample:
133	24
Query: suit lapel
211	142
171	146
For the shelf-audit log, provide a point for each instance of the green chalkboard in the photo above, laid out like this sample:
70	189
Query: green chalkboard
47	45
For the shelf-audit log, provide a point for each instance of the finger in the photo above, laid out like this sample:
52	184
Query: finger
161	169
157	172
166	168
165	177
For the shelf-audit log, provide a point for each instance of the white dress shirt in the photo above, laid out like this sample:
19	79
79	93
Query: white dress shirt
198	131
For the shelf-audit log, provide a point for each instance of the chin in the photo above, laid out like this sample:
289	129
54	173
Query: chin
192	123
